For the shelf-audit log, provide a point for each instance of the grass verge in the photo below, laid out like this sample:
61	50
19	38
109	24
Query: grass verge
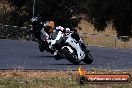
53	79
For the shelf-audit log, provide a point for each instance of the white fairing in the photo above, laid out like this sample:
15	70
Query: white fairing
67	29
57	38
59	28
60	34
69	48
76	45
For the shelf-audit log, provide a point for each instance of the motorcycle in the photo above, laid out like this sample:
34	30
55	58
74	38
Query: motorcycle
69	46
72	49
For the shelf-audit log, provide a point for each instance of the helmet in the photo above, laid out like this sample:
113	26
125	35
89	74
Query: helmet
34	19
49	26
49	23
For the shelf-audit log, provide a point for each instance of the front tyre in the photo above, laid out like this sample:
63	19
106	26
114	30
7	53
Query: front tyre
88	59
70	57
58	56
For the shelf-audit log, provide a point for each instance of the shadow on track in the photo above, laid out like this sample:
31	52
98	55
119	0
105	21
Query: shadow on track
68	64
44	56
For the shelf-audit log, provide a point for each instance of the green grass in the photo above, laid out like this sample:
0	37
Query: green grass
20	82
38	79
17	82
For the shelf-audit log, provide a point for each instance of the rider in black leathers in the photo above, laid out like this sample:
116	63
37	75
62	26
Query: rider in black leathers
36	28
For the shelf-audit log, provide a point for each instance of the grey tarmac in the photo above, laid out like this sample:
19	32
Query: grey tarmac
21	54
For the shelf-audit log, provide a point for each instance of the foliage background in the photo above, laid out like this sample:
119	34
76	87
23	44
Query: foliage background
67	13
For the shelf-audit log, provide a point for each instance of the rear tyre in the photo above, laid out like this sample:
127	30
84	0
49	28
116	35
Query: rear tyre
88	59
41	47
70	57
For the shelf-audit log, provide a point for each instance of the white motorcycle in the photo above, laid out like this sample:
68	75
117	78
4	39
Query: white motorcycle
72	49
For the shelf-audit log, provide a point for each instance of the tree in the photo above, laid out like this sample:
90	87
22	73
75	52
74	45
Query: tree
99	12
61	11
5	10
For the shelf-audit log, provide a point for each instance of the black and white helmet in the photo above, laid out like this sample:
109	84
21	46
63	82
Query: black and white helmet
34	19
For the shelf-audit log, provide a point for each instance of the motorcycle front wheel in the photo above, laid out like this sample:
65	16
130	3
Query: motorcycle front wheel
70	56
88	59
58	56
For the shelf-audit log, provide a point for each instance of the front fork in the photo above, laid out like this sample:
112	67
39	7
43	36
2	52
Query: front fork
75	45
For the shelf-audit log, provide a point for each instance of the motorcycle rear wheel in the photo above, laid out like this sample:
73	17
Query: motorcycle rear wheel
41	47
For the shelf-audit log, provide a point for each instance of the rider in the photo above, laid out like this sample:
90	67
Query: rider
40	34
56	36
39	28
47	28
36	28
45	35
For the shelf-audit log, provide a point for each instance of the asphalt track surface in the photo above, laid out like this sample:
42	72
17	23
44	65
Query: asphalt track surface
20	54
